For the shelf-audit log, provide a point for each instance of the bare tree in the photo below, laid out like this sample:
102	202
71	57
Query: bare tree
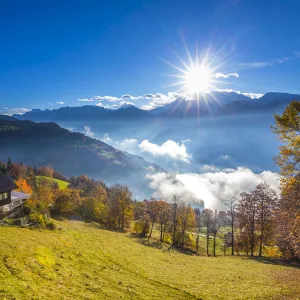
198	227
175	206
153	212
215	226
231	204
207	217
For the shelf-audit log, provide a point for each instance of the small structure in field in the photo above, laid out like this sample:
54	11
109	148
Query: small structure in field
11	201
228	239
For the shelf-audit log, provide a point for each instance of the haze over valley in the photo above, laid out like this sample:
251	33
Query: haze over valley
208	149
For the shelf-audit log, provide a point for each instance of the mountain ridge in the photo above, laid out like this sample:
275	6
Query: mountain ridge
216	103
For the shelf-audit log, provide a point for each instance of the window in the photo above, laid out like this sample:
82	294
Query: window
3	196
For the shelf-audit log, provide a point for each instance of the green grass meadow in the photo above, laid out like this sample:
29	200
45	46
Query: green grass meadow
61	184
82	261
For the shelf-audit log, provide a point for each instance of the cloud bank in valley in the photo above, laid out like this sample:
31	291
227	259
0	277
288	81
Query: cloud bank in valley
168	149
214	188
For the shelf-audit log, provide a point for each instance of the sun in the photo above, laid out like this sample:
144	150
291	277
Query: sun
198	80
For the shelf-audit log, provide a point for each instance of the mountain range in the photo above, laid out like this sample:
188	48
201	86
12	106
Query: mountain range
71	153
215	103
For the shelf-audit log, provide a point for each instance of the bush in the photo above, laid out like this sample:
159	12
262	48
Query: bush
37	219
141	227
51	226
272	251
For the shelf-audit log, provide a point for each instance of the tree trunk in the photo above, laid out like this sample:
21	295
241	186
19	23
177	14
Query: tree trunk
232	238
150	233
182	240
261	230
207	243
197	243
214	245
173	238
261	242
161	233
252	234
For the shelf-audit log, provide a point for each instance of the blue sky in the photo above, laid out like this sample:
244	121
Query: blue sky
55	52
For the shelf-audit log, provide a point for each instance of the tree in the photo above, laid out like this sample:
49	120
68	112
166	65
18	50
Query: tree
288	220
215	226
41	199
153	212
16	170
186	217
175	205
23	186
9	163
288	217
46	171
120	206
198	227
164	216
247	214
266	199
288	131
207	217
232	218
3	167
66	201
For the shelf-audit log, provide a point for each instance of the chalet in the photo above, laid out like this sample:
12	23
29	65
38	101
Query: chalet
11	201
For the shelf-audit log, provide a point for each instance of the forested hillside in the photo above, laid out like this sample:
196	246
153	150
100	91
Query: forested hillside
70	153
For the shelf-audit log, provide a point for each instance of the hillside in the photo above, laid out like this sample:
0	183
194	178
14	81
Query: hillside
70	153
81	261
5	117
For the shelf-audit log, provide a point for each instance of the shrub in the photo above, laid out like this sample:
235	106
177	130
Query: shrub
37	219
272	251
51	226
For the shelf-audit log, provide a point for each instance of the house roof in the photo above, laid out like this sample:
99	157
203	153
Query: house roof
15	196
6	184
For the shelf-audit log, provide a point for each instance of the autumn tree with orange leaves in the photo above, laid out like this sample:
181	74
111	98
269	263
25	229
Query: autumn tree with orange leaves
24	187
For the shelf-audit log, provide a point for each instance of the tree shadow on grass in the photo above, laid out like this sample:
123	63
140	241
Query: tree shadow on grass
103	226
158	245
274	261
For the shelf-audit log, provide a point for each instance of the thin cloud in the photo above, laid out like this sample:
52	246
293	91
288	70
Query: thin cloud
60	103
127	144
88	131
262	64
222	75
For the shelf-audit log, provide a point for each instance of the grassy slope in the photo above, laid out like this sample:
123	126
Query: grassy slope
84	262
61	184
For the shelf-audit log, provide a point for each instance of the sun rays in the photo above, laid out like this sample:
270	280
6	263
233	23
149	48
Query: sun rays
198	76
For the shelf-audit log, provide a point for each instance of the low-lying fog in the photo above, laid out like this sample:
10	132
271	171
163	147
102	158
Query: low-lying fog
212	158
188	145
